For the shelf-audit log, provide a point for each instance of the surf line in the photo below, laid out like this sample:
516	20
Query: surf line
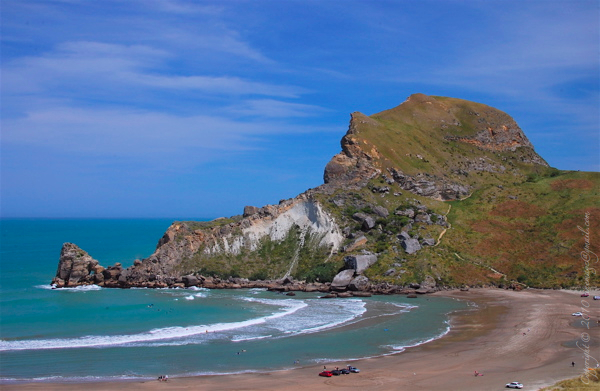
147	337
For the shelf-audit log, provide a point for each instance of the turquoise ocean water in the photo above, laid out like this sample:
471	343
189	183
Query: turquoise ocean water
88	334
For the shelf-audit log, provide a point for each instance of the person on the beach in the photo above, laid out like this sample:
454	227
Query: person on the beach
572	363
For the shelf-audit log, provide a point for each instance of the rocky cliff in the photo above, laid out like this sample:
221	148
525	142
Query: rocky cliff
408	203
430	146
270	242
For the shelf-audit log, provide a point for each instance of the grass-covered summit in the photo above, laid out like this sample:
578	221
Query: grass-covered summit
444	141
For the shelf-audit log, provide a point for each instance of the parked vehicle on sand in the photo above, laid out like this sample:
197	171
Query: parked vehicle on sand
326	374
514	384
353	369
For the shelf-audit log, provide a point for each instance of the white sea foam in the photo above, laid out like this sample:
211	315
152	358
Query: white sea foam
313	316
81	288
74	379
240	338
404	307
412	344
192	297
256	291
176	332
197	288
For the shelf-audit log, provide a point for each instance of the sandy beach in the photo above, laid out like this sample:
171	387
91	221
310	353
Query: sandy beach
528	336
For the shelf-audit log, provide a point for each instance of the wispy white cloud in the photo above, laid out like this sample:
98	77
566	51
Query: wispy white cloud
155	138
105	65
181	7
512	48
275	108
215	84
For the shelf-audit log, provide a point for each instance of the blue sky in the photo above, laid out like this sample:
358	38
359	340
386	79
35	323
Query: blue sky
191	109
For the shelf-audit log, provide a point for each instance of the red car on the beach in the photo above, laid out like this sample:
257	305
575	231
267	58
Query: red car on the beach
585	294
326	374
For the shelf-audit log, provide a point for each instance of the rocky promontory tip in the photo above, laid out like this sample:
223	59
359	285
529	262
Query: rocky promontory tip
76	267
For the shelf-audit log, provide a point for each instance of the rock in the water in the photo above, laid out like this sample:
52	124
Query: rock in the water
112	272
190	280
75	266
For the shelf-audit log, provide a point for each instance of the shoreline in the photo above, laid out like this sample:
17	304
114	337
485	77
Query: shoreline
521	336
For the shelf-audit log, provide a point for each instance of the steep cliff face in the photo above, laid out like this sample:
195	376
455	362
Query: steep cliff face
292	227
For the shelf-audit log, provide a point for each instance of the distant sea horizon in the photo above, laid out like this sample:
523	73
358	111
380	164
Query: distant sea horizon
91	333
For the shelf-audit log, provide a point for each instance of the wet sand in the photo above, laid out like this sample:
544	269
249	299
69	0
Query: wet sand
528	336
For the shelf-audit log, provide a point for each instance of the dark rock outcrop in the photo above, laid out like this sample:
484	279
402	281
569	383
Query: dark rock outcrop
359	263
430	185
75	267
410	245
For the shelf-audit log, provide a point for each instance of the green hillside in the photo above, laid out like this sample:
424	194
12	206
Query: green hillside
518	224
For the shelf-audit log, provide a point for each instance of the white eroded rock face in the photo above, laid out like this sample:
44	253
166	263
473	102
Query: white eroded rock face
306	214
185	248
